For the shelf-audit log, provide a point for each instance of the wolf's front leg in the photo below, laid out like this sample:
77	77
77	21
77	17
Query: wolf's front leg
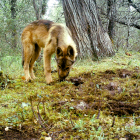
47	66
48	76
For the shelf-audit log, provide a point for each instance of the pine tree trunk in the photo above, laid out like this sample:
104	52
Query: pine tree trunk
82	18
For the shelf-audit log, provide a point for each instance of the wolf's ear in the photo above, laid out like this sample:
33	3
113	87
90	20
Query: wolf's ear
70	51
59	52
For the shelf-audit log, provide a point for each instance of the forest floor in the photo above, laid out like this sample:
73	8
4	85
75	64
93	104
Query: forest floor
98	100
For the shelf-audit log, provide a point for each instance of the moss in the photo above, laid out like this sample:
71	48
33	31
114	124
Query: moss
106	90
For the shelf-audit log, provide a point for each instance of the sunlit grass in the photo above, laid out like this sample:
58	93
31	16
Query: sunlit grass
11	65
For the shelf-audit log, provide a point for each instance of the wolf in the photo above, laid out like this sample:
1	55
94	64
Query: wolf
53	38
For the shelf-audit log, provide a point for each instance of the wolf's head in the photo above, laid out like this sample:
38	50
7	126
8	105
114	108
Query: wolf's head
65	58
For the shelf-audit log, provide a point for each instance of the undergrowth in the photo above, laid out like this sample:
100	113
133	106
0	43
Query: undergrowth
98	100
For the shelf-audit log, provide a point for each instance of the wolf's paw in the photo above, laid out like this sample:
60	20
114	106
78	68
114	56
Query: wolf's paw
33	76
29	79
49	80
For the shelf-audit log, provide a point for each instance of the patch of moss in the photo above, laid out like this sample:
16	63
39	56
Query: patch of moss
101	105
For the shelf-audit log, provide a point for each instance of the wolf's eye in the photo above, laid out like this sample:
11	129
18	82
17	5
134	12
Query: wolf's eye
59	66
67	68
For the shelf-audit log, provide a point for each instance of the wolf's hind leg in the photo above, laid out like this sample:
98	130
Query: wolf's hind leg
35	55
28	52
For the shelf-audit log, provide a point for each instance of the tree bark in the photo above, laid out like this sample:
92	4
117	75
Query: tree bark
37	8
82	18
40	8
44	6
13	16
134	5
111	13
130	24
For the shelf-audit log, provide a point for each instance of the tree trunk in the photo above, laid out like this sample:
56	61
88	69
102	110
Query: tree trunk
37	8
82	18
40	8
111	13
13	16
44	7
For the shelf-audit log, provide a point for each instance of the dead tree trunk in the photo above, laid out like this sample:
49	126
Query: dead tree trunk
82	18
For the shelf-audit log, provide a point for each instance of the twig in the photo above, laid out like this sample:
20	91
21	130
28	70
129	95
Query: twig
113	121
41	121
40	118
109	106
99	108
44	108
33	110
60	16
98	114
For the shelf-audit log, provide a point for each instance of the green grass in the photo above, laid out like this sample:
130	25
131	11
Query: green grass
58	103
